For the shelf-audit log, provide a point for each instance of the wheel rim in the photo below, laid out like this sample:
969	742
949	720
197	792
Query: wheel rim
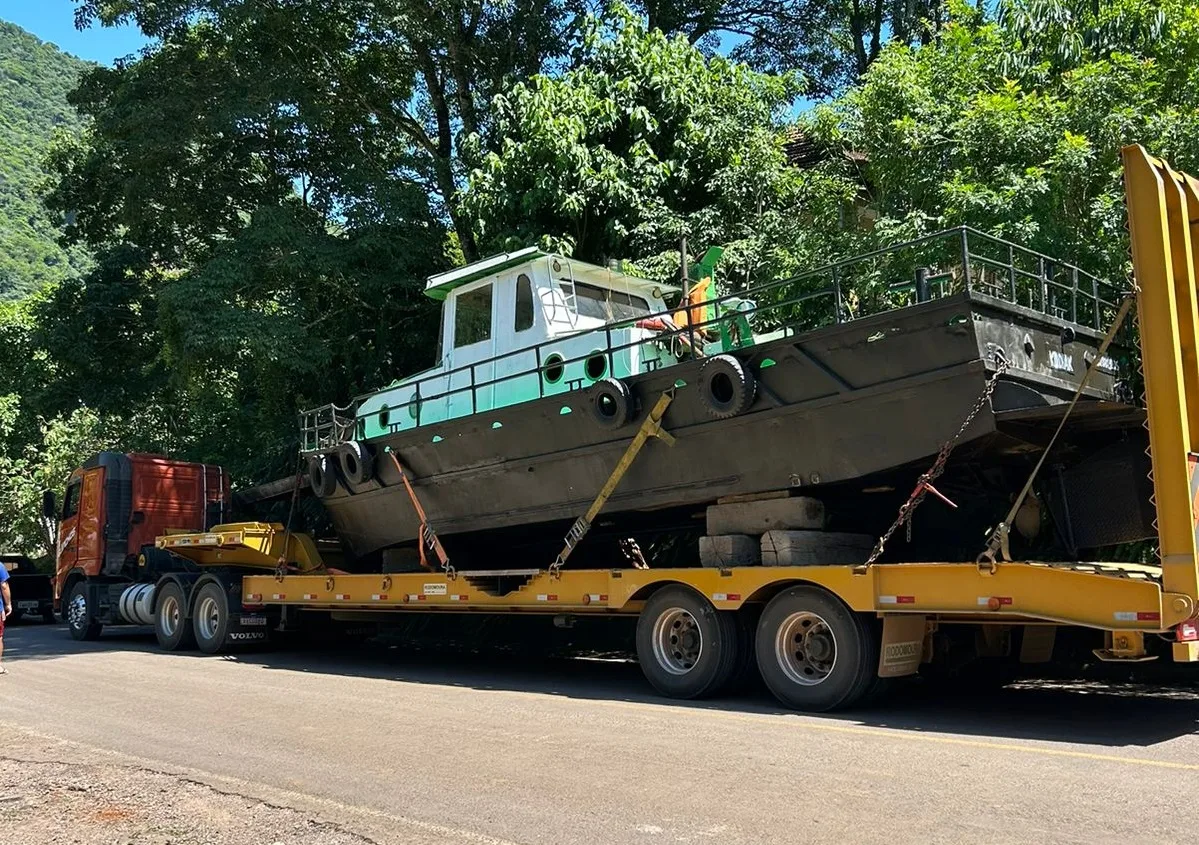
678	641
208	618
77	611
168	616
806	648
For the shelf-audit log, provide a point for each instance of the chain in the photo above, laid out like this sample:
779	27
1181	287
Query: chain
938	465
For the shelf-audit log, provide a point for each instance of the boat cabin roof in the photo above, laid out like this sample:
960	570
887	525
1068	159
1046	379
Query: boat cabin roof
439	286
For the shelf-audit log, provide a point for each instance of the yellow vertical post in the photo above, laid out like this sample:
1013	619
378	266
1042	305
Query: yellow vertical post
1165	331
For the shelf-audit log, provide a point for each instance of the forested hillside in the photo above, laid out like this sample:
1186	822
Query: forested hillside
35	79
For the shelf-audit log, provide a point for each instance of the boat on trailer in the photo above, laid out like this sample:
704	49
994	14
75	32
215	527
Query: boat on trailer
834	384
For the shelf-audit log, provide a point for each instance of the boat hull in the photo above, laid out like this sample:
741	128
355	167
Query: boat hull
832	405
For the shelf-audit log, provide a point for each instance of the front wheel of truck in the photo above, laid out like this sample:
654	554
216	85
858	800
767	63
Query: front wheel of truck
78	614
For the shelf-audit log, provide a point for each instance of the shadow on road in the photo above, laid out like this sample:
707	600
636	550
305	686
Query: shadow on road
1094	712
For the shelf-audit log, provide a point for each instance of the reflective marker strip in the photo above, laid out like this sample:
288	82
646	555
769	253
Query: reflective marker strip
1138	616
341	596
896	599
416	597
279	596
254	597
379	597
458	598
544	597
985	601
597	597
726	597
309	596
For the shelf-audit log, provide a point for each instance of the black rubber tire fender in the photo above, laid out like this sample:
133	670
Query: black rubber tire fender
856	656
718	653
357	462
169	598
322	476
727	387
211	599
89	628
611	403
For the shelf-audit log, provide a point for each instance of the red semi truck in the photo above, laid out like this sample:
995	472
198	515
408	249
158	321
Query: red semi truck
114	506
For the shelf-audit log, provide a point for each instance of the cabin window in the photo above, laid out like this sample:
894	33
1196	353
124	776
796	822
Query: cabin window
70	502
608	305
524	303
472	317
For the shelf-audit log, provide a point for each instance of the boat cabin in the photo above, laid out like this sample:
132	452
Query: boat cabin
519	326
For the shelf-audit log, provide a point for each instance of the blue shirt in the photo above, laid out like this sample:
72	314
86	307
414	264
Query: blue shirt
3	573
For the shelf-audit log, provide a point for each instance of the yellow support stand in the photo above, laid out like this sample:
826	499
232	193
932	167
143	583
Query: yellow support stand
652	427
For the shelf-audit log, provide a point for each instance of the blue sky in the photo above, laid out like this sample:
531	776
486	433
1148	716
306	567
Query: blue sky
54	21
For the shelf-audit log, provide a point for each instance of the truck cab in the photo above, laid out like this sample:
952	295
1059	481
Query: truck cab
112	508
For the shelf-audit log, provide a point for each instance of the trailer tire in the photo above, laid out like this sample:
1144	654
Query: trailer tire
356	462
322	476
170	618
210	618
686	647
78	613
726	387
611	403
813	652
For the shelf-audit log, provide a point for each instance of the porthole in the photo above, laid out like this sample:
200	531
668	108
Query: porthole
596	366
384	416
553	368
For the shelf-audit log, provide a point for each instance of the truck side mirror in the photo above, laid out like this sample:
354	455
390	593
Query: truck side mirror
49	505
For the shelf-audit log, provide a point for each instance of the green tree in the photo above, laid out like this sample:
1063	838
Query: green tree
644	141
34	81
959	131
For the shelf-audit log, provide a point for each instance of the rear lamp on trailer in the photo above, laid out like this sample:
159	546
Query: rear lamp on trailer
1187	632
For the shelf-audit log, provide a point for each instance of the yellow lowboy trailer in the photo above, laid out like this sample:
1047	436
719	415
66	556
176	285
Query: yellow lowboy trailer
820	635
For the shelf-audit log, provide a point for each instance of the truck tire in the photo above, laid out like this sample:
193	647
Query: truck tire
686	647
611	403
322	476
210	618
726	387
78	614
813	652
356	462
170	618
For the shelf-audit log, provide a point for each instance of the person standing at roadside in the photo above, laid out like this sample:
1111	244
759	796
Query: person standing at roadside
7	594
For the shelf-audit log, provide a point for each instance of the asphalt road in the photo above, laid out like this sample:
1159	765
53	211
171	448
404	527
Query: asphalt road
453	747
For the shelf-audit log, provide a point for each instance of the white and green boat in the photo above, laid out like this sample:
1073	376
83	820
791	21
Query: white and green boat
837	383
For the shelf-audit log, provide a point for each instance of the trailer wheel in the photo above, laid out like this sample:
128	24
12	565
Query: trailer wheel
686	647
80	621
813	652
210	618
170	619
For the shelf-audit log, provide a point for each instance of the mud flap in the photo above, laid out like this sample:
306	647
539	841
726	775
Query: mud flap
903	645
